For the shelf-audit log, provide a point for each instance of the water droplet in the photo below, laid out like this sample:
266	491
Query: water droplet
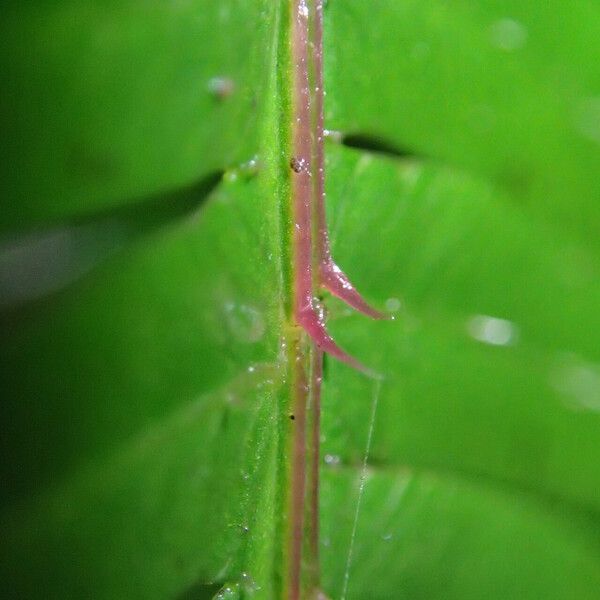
333	460
250	167
229	592
319	309
248	583
333	135
245	323
578	382
491	330
230	176
393	305
508	35
246	169
221	87
299	165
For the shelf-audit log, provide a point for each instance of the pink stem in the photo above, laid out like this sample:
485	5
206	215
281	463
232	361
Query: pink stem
305	196
331	276
302	191
317	377
298	478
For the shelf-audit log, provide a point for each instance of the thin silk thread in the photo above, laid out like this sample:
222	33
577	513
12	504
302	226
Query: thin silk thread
361	487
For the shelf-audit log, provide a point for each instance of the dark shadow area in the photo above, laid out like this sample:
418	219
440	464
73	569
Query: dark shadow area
325	367
158	209
36	263
377	145
199	591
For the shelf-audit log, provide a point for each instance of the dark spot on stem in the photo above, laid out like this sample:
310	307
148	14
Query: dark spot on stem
292	417
297	165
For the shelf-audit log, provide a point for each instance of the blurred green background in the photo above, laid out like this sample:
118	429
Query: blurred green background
143	285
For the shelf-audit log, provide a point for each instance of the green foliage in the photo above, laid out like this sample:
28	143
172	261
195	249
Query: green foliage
144	283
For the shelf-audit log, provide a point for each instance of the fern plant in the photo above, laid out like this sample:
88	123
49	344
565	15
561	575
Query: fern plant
149	348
